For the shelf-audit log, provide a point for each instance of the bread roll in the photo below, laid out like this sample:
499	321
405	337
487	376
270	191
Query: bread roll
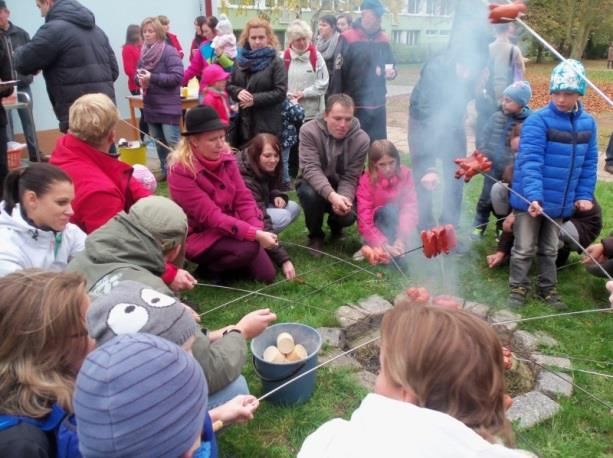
298	354
273	355
285	343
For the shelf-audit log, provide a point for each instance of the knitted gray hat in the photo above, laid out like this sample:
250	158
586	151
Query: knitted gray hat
134	307
139	396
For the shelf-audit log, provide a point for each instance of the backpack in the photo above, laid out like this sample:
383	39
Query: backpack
61	425
287	57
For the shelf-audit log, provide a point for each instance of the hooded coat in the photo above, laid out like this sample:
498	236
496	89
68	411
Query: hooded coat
124	249
103	184
74	54
329	164
24	246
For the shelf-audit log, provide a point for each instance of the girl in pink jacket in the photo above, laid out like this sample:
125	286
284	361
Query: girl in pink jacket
387	203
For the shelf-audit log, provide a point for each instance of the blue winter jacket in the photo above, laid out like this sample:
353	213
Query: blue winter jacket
557	160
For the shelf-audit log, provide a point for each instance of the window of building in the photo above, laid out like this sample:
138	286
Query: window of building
446	8
431	32
413	6
406	37
444	32
431	7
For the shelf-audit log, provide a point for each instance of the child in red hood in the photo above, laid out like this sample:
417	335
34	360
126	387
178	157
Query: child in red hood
214	94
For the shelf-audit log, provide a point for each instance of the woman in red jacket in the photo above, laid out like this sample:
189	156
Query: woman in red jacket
130	54
225	224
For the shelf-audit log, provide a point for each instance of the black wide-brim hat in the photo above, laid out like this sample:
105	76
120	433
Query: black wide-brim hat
202	118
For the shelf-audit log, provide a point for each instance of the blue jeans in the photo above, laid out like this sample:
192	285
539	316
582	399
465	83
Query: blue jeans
285	165
238	386
28	128
534	236
283	217
168	134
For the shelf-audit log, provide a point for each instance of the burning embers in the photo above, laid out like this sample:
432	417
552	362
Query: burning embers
472	165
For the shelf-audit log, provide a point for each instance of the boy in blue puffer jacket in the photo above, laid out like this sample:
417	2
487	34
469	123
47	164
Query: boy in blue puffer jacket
555	170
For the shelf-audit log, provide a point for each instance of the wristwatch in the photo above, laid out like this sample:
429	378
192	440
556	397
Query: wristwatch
227	331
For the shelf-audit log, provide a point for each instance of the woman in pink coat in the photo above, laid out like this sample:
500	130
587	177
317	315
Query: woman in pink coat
225	224
387	203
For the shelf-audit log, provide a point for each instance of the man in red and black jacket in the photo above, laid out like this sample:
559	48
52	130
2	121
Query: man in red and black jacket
362	64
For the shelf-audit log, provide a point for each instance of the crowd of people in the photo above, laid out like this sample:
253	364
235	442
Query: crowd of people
100	356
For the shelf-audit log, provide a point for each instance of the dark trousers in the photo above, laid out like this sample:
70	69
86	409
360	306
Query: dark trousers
229	254
373	121
314	207
4	169
428	144
484	205
609	152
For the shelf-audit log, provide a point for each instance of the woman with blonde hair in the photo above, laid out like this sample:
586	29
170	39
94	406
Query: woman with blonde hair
439	392
258	82
159	74
226	228
44	341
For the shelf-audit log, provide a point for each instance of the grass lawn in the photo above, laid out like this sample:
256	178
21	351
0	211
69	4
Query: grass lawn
582	428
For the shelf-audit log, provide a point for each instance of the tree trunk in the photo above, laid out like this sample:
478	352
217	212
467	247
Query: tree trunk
539	54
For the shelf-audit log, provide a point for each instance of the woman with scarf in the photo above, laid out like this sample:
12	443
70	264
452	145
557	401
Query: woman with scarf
159	74
258	82
328	39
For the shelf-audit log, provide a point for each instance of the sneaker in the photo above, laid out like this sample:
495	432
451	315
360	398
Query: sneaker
608	168
358	256
478	233
316	244
552	299
517	297
337	235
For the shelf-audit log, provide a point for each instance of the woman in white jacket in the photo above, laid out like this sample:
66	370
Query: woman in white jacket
34	220
439	393
307	74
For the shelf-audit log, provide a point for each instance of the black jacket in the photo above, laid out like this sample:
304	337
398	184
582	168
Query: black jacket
5	75
18	37
264	189
269	89
359	66
74	54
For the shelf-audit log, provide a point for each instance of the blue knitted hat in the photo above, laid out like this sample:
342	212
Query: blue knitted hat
567	76
520	92
139	395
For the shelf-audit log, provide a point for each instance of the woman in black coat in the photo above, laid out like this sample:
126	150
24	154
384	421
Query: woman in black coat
258	83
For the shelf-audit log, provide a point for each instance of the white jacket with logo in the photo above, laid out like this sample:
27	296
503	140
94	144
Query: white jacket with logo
23	246
388	428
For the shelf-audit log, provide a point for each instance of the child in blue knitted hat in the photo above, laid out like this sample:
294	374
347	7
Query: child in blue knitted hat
554	172
495	145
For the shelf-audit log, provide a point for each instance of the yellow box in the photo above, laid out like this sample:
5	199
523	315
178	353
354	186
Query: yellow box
137	155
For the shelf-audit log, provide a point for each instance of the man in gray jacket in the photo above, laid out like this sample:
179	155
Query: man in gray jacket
332	151
17	37
136	246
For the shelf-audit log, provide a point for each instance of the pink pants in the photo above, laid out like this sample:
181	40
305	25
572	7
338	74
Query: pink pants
229	254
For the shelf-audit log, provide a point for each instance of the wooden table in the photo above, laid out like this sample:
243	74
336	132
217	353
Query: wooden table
136	101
